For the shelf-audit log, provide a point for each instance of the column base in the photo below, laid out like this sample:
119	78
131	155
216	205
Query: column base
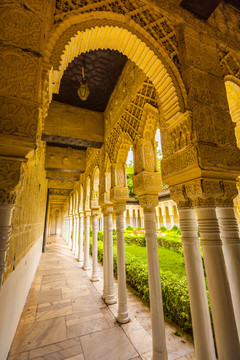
94	278
86	267
79	260
110	299
123	318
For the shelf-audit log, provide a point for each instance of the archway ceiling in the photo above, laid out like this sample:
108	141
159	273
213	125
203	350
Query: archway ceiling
102	71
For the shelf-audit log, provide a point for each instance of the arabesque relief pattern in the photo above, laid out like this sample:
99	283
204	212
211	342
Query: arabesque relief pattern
29	210
155	23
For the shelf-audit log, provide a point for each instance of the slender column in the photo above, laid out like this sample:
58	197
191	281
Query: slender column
74	233
227	340
5	222
95	247
231	246
104	256
202	330
110	297
80	245
142	222
158	329
122	289
86	263
77	236
172	220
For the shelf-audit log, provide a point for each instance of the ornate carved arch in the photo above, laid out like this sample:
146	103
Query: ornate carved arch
148	46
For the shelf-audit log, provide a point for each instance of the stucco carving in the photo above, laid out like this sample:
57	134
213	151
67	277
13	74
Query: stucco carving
148	202
19	73
18	118
10	172
20	27
155	23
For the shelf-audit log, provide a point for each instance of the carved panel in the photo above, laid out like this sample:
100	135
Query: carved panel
20	27
155	23
180	161
19	73
18	118
9	178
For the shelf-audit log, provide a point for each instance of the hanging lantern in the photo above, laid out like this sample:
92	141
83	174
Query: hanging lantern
83	91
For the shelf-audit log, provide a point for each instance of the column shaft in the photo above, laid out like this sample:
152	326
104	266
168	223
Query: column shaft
122	290
202	330
80	245
225	328
95	249
110	297
231	247
155	292
5	222
86	263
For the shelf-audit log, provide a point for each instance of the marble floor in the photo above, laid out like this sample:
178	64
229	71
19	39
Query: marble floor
65	317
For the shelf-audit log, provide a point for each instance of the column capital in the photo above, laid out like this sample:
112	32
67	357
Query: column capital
95	212
148	202
178	194
107	210
119	208
10	174
87	213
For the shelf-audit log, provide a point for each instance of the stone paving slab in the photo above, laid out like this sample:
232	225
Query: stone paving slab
65	318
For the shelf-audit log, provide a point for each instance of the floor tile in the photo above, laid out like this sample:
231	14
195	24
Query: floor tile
39	334
108	345
65	317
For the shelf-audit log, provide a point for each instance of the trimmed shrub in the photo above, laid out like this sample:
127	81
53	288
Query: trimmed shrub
163	228
171	243
129	227
176	303
100	235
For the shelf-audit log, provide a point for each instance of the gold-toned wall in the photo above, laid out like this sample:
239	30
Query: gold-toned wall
28	216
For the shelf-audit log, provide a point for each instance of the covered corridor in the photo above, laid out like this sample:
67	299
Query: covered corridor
66	318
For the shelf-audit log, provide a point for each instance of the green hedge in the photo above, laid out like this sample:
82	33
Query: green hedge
176	303
171	243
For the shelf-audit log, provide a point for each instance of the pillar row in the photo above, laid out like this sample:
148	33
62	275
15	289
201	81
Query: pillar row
202	330
231	245
225	327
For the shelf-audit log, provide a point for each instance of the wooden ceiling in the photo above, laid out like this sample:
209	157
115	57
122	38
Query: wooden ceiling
102	70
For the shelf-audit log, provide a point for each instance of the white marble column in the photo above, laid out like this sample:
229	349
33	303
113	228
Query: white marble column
202	330
231	246
95	246
86	262
74	235
158	329
122	317
5	222
104	255
172	220
80	238
142	222
77	236
225	327
110	297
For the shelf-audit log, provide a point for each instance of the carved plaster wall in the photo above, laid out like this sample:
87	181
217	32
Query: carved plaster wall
29	210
